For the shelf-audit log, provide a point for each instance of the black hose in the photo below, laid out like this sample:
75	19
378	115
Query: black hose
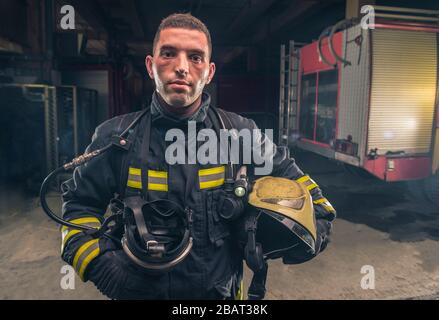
343	24
320	50
45	188
72	165
43	192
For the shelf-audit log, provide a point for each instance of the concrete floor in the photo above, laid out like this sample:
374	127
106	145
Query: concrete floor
378	225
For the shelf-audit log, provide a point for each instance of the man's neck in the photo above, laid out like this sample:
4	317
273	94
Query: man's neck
181	112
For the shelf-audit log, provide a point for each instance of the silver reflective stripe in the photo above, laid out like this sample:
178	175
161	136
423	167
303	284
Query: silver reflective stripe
309	182
212	177
135	178
85	254
157	180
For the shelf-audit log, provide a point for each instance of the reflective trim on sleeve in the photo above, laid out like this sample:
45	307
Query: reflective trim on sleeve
93	254
67	233
309	183
85	254
325	204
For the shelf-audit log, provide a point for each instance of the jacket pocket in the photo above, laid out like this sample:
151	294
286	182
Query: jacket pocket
217	228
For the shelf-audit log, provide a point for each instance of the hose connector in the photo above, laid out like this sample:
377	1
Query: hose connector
76	162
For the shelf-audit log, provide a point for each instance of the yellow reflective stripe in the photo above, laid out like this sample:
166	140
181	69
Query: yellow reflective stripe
154	180
211	184
157	174
134	171
326	204
68	234
312	186
307	182
86	262
240	293
328	207
216	170
133	181
81	250
157	187
303	179
320	200
134	184
211	177
82	221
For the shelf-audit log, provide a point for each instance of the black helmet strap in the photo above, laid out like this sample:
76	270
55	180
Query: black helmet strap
254	258
257	290
136	207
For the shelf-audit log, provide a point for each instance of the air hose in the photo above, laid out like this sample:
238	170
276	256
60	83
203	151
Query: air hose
341	25
120	142
45	189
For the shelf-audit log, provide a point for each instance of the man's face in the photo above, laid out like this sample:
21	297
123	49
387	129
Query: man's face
180	66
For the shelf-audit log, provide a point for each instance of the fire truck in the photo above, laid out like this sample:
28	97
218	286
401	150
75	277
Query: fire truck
366	94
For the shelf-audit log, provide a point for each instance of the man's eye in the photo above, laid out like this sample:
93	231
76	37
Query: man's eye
196	58
167	54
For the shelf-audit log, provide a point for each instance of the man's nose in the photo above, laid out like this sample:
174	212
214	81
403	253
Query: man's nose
182	64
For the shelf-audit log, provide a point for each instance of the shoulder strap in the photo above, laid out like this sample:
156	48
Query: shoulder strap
226	119
220	120
120	159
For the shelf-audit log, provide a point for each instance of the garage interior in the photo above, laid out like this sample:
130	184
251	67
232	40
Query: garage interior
57	85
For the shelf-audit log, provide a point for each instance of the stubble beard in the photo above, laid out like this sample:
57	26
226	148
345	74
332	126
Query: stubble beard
180	100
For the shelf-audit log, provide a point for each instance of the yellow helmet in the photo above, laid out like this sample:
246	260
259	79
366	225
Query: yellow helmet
285	215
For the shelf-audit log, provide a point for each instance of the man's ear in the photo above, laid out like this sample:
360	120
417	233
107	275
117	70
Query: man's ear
212	69
148	64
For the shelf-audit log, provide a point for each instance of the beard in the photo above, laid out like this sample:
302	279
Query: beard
180	99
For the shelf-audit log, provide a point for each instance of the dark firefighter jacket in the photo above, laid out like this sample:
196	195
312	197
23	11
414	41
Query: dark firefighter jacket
214	263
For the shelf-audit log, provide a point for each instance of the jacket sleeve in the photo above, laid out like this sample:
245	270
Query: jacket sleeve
85	199
285	166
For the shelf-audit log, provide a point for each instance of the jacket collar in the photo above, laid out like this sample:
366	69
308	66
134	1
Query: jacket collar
198	116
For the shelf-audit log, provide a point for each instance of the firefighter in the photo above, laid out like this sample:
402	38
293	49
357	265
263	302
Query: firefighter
208	263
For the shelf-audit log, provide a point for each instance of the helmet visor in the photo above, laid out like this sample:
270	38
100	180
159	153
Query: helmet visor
280	234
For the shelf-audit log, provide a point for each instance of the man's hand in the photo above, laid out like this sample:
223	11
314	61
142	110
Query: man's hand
109	273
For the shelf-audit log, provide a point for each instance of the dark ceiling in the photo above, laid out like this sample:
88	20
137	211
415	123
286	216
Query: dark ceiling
232	23
236	26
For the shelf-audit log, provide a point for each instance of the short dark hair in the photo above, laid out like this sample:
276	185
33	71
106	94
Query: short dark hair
184	21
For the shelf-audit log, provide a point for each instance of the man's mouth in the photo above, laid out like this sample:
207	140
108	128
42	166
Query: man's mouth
180	82
179	85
